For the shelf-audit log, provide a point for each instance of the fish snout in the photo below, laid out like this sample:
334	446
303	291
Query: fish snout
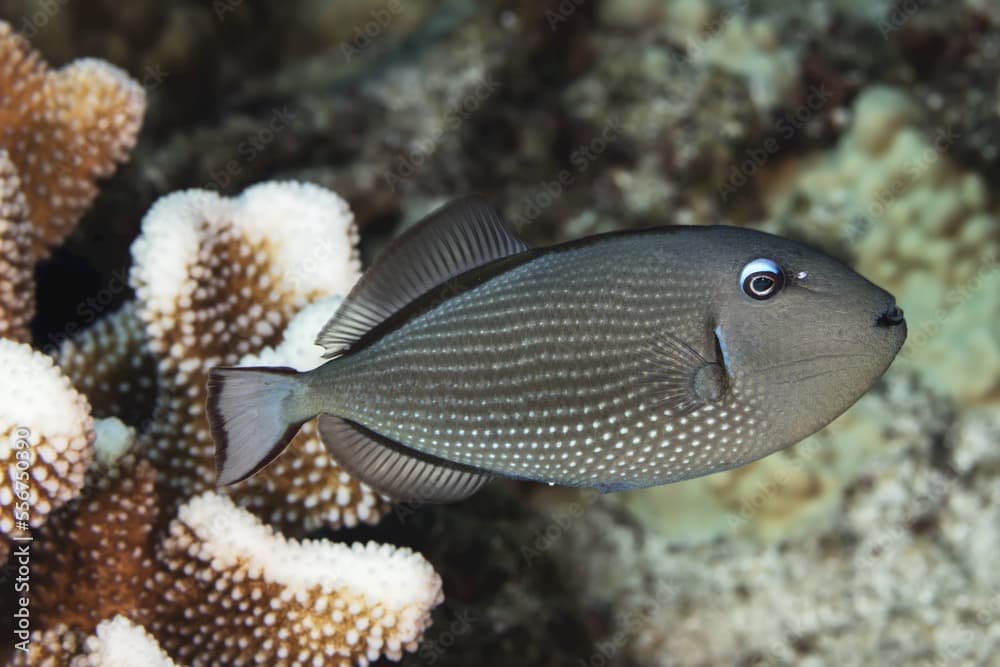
892	316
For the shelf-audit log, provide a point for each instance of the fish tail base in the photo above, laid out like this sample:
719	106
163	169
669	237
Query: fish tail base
247	415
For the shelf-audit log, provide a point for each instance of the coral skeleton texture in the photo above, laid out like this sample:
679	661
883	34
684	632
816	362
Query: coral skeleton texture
219	279
63	129
309	490
110	363
284	602
46	440
217	587
126	568
17	265
121	643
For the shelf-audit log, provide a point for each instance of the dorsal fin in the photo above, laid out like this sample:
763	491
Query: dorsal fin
405	475
458	237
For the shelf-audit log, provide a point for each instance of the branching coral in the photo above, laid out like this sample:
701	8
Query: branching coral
117	642
217	279
285	602
307	490
110	527
110	363
62	130
17	278
121	643
55	647
46	436
220	587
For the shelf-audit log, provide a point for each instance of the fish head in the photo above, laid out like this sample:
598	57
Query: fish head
802	335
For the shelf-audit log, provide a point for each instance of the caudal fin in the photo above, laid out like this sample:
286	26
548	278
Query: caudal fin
246	412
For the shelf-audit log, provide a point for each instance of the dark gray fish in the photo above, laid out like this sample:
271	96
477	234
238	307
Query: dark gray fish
616	361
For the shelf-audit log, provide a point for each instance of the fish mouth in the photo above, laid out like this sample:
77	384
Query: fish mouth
892	316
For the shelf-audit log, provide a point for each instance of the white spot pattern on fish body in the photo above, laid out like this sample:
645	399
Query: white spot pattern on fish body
531	370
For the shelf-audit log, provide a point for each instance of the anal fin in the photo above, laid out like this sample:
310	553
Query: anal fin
395	471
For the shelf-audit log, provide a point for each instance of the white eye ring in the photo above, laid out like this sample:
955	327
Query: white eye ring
761	279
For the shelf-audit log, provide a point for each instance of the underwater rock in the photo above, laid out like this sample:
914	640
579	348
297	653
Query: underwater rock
954	50
890	199
903	552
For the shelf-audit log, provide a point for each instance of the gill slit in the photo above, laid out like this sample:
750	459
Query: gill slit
721	345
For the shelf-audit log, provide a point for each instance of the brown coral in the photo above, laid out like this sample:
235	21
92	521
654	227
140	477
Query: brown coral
220	588
109	526
54	647
63	129
17	278
217	279
119	642
46	436
109	362
308	490
233	592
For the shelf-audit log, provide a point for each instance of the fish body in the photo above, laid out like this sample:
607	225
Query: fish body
617	361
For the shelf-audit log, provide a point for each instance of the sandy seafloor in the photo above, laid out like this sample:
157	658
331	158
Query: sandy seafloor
870	129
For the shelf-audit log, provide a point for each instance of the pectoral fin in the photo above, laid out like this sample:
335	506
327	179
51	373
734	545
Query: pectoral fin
678	379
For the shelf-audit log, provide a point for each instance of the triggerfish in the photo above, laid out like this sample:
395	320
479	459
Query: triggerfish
615	361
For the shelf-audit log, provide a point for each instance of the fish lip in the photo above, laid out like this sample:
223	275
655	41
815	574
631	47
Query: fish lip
891	316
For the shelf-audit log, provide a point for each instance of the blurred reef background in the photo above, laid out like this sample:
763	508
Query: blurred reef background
870	129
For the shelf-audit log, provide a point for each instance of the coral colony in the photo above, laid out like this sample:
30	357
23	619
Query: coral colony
131	551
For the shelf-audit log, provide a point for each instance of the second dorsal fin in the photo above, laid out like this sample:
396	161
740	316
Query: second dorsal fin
459	237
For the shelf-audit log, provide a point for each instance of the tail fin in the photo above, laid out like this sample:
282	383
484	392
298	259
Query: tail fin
247	417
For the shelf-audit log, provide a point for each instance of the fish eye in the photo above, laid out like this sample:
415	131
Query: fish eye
761	279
